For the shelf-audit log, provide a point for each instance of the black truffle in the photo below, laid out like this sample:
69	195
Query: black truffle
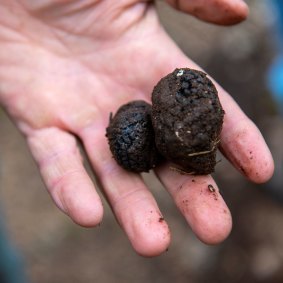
131	137
187	118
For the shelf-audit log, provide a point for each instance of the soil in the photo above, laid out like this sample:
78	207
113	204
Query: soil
187	118
131	137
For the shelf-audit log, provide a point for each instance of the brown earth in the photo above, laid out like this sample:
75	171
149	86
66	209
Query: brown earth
56	250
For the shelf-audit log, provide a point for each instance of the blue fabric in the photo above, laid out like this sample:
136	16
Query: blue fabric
277	13
275	82
11	267
278	6
275	73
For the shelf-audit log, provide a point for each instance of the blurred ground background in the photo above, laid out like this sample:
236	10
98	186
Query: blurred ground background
56	250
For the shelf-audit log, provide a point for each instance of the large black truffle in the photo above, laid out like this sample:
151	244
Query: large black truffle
187	118
131	137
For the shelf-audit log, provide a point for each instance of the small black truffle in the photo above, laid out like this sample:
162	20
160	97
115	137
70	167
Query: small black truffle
131	137
187	118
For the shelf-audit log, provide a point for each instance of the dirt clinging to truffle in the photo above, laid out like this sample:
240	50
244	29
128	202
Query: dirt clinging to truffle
187	118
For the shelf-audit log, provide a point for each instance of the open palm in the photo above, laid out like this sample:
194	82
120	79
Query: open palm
65	65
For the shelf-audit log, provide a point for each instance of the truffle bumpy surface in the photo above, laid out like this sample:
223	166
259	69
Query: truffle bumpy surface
187	118
131	137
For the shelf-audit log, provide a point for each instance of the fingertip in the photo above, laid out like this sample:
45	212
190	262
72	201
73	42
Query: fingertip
263	171
234	14
257	165
212	225
247	150
87	217
216	231
86	211
60	164
153	242
204	208
243	9
152	249
79	201
146	229
221	12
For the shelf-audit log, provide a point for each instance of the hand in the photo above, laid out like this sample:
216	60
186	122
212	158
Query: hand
65	65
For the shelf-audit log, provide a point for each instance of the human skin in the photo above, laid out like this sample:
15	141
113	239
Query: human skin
66	64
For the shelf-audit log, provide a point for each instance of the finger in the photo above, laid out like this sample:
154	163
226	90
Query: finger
130	200
243	144
67	181
223	12
241	141
199	200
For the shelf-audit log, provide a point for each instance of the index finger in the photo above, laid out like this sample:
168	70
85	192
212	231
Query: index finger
243	144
